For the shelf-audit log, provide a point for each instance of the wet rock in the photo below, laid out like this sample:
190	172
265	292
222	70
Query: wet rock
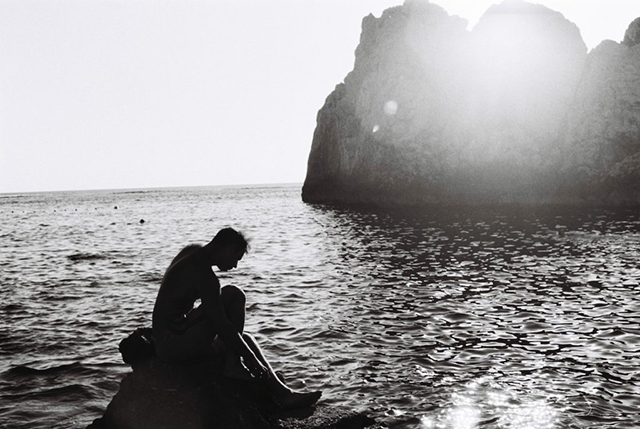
513	112
195	395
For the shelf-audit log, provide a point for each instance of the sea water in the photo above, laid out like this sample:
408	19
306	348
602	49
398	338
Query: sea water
487	318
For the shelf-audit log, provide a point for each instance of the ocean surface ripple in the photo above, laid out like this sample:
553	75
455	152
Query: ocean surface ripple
510	318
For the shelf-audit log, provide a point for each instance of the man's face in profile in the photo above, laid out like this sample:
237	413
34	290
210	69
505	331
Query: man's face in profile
230	258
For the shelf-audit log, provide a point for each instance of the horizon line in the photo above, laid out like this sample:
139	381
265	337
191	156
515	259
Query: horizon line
151	188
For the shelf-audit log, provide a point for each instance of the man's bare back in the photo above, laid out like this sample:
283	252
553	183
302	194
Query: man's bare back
181	287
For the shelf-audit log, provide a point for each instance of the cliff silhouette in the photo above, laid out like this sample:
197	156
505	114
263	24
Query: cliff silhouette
514	111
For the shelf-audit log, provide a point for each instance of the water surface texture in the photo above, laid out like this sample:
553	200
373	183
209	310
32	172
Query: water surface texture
520	318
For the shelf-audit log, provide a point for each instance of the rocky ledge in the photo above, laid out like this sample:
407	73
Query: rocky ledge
195	395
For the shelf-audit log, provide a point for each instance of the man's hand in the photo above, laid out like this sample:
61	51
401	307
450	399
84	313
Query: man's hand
257	369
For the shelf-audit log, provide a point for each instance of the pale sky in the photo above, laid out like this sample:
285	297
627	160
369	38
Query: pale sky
102	94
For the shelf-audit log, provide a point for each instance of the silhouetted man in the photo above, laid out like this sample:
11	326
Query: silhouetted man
183	332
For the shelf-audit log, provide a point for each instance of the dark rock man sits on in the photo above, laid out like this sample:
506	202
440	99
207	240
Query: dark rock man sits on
216	326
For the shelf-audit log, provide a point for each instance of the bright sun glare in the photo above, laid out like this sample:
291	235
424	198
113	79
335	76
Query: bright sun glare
587	15
513	411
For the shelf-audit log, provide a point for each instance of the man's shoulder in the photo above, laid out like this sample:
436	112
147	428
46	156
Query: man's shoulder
189	249
186	253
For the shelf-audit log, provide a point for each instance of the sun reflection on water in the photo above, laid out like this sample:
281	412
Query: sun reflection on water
535	415
487	403
464	417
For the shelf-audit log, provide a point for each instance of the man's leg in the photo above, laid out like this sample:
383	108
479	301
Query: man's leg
234	301
283	395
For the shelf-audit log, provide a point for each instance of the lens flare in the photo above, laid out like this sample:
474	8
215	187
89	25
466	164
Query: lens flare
390	107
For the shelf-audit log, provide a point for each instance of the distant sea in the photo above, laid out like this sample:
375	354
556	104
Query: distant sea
488	318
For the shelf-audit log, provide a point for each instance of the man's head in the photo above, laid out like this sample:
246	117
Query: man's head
229	247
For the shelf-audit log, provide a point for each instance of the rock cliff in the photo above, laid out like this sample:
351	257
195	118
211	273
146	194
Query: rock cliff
515	111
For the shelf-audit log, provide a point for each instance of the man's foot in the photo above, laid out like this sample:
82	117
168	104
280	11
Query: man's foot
294	399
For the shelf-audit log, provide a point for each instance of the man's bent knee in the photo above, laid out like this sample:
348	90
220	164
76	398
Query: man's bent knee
233	295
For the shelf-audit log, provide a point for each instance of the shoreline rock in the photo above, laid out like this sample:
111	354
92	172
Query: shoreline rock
195	395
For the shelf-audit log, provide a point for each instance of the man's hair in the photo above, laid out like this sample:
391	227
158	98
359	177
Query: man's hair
231	237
